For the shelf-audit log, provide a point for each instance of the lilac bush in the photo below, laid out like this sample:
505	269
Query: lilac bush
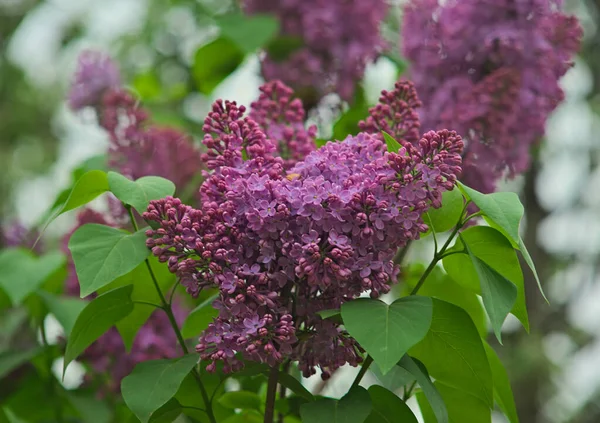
490	70
337	39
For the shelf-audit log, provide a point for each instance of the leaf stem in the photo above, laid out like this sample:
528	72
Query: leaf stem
271	394
408	392
362	371
148	304
166	307
438	256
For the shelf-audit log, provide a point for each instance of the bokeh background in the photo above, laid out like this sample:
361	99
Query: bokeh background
555	370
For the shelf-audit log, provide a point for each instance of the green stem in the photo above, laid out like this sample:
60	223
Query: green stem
436	258
408	392
271	395
362	371
166	307
148	304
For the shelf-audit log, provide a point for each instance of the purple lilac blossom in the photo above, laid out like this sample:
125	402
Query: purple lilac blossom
15	234
490	70
96	74
281	247
338	39
137	147
282	120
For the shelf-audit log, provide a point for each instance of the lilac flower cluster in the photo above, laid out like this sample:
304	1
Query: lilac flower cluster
489	68
282	248
338	39
96	74
282	119
137	148
107	355
396	114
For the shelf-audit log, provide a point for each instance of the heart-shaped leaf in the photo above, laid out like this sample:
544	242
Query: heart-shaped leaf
101	254
453	352
388	408
140	192
21	273
96	318
400	325
354	407
153	383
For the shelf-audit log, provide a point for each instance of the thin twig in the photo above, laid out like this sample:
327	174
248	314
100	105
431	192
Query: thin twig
271	395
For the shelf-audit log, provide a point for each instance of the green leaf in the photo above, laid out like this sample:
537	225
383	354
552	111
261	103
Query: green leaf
502	208
248	32
388	408
139	193
90	408
101	254
168	413
21	273
491	247
199	318
399	326
504	211
153	383
347	124
333	315
96	318
498	293
440	285
66	310
243	400
143	291
436	402
280	48
447	216
214	62
89	186
394	379
147	86
10	360
453	352
502	391
393	146
295	386
462	407
531	265
248	416
354	407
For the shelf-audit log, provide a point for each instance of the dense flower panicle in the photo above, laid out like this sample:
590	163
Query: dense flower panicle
490	70
338	39
96	74
230	138
281	249
282	120
396	114
154	340
137	147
